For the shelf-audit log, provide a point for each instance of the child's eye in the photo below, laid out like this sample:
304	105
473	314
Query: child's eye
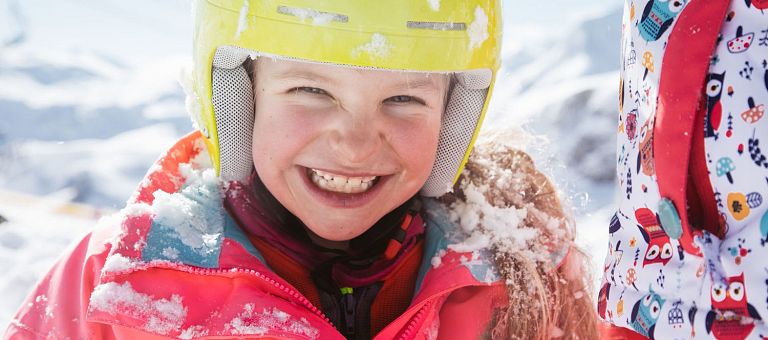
403	99
310	90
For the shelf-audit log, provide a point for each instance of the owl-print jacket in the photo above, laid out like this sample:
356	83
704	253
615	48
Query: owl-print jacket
688	250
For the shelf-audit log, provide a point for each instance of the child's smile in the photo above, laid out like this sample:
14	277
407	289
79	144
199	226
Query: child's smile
342	191
341	147
339	183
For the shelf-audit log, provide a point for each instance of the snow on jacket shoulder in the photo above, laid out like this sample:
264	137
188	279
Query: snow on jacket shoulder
688	243
173	264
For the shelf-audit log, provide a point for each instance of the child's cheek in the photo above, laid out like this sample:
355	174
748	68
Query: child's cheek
415	138
298	119
280	131
289	123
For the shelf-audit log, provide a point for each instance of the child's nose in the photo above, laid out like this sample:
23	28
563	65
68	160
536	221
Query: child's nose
356	139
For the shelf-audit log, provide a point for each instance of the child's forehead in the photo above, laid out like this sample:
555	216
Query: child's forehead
277	69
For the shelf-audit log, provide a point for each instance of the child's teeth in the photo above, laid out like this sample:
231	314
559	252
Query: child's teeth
339	183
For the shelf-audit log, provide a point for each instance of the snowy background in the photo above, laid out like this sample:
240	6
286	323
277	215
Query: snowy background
89	98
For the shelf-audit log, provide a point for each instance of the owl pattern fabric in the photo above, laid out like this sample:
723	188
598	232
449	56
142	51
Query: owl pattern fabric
716	285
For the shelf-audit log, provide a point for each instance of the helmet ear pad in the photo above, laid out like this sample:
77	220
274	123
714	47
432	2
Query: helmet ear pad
233	105
462	116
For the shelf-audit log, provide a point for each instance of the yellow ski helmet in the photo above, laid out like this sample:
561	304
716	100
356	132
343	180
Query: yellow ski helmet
461	37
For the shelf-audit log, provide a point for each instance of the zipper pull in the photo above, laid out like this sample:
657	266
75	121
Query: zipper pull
348	305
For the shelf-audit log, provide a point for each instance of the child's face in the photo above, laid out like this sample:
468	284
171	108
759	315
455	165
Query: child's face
341	147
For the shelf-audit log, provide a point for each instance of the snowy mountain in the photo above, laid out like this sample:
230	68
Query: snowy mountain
83	114
106	122
564	87
93	85
26	223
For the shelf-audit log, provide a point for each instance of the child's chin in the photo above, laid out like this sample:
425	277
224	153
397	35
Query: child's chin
335	235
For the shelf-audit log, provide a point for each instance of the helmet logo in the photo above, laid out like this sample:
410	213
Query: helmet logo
317	17
438	26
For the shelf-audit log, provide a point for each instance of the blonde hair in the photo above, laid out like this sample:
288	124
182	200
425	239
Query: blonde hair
546	300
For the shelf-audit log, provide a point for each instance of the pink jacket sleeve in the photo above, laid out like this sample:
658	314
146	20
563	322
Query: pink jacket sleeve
57	307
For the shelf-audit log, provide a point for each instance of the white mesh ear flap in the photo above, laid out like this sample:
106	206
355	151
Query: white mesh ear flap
233	107
462	114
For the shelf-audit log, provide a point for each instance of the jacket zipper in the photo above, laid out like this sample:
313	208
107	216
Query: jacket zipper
348	304
416	320
425	304
222	272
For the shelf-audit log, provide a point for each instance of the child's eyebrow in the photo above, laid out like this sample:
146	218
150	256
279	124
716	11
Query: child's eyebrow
422	83
418	84
302	74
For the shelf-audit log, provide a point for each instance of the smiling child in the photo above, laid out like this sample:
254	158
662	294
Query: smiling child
305	205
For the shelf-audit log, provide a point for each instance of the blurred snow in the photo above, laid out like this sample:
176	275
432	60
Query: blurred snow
85	166
129	32
36	232
89	99
106	110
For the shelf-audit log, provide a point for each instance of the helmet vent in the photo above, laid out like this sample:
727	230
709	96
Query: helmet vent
438	26
317	17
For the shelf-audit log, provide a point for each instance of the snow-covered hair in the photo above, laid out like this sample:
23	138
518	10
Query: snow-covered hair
547	276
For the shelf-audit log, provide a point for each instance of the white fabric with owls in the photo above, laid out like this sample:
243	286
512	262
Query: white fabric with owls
650	284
